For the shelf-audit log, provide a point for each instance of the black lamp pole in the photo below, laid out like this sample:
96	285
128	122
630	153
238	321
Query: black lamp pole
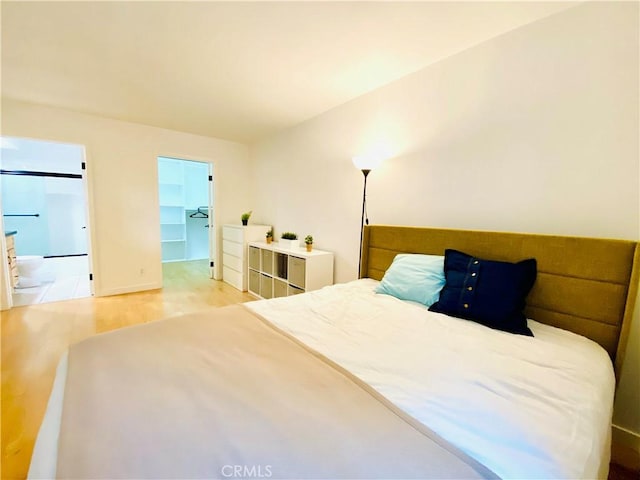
363	220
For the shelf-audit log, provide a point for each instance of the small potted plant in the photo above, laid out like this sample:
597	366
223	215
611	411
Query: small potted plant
269	235
245	217
289	240
308	240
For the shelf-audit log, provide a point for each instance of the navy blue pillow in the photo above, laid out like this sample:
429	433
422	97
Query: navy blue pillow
488	292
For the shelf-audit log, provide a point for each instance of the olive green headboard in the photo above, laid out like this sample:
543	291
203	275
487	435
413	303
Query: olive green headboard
585	285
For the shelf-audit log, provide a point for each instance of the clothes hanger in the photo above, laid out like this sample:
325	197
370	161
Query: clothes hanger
199	213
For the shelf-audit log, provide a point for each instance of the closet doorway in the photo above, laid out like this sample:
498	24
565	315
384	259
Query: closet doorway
187	231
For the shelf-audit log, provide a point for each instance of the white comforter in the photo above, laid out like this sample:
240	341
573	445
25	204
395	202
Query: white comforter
524	407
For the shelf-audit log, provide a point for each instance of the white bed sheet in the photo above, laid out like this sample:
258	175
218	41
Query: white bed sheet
525	407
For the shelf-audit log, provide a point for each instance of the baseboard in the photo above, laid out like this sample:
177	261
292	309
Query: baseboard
626	437
131	289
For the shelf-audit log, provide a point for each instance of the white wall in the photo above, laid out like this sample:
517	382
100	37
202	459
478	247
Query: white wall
533	131
122	164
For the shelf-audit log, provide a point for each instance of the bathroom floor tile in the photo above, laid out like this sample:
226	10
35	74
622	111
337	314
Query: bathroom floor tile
61	289
83	289
28	296
62	279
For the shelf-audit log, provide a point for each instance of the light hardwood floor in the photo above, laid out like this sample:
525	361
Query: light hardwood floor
33	338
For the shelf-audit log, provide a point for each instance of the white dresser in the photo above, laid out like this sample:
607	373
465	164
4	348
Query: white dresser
234	251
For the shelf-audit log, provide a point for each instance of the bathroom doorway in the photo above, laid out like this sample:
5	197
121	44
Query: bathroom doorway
44	210
187	234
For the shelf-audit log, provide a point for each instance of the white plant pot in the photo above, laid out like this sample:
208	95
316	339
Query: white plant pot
289	244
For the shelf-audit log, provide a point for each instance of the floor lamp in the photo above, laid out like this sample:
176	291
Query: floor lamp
365	165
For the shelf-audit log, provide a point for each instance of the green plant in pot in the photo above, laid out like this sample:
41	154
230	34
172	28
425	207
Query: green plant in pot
245	217
308	240
269	235
289	240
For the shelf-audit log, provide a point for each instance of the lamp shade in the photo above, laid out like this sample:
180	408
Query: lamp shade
367	162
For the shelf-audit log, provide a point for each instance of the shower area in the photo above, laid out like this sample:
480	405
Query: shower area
44	214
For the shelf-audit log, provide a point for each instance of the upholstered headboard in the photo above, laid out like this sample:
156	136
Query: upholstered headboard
585	285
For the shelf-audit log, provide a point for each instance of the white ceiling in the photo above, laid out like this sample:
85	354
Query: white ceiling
234	70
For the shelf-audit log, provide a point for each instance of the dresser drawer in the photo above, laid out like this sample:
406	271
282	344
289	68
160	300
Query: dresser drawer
254	282
279	288
232	277
235	234
254	258
232	262
266	286
295	290
232	248
297	271
267	261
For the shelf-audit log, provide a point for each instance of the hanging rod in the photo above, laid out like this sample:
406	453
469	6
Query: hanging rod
22	215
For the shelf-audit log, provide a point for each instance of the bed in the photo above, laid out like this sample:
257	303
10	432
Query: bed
347	383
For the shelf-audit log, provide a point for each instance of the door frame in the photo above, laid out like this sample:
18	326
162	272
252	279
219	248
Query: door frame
213	251
213	222
6	299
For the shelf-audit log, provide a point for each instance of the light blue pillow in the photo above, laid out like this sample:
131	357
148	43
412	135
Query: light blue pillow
418	278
